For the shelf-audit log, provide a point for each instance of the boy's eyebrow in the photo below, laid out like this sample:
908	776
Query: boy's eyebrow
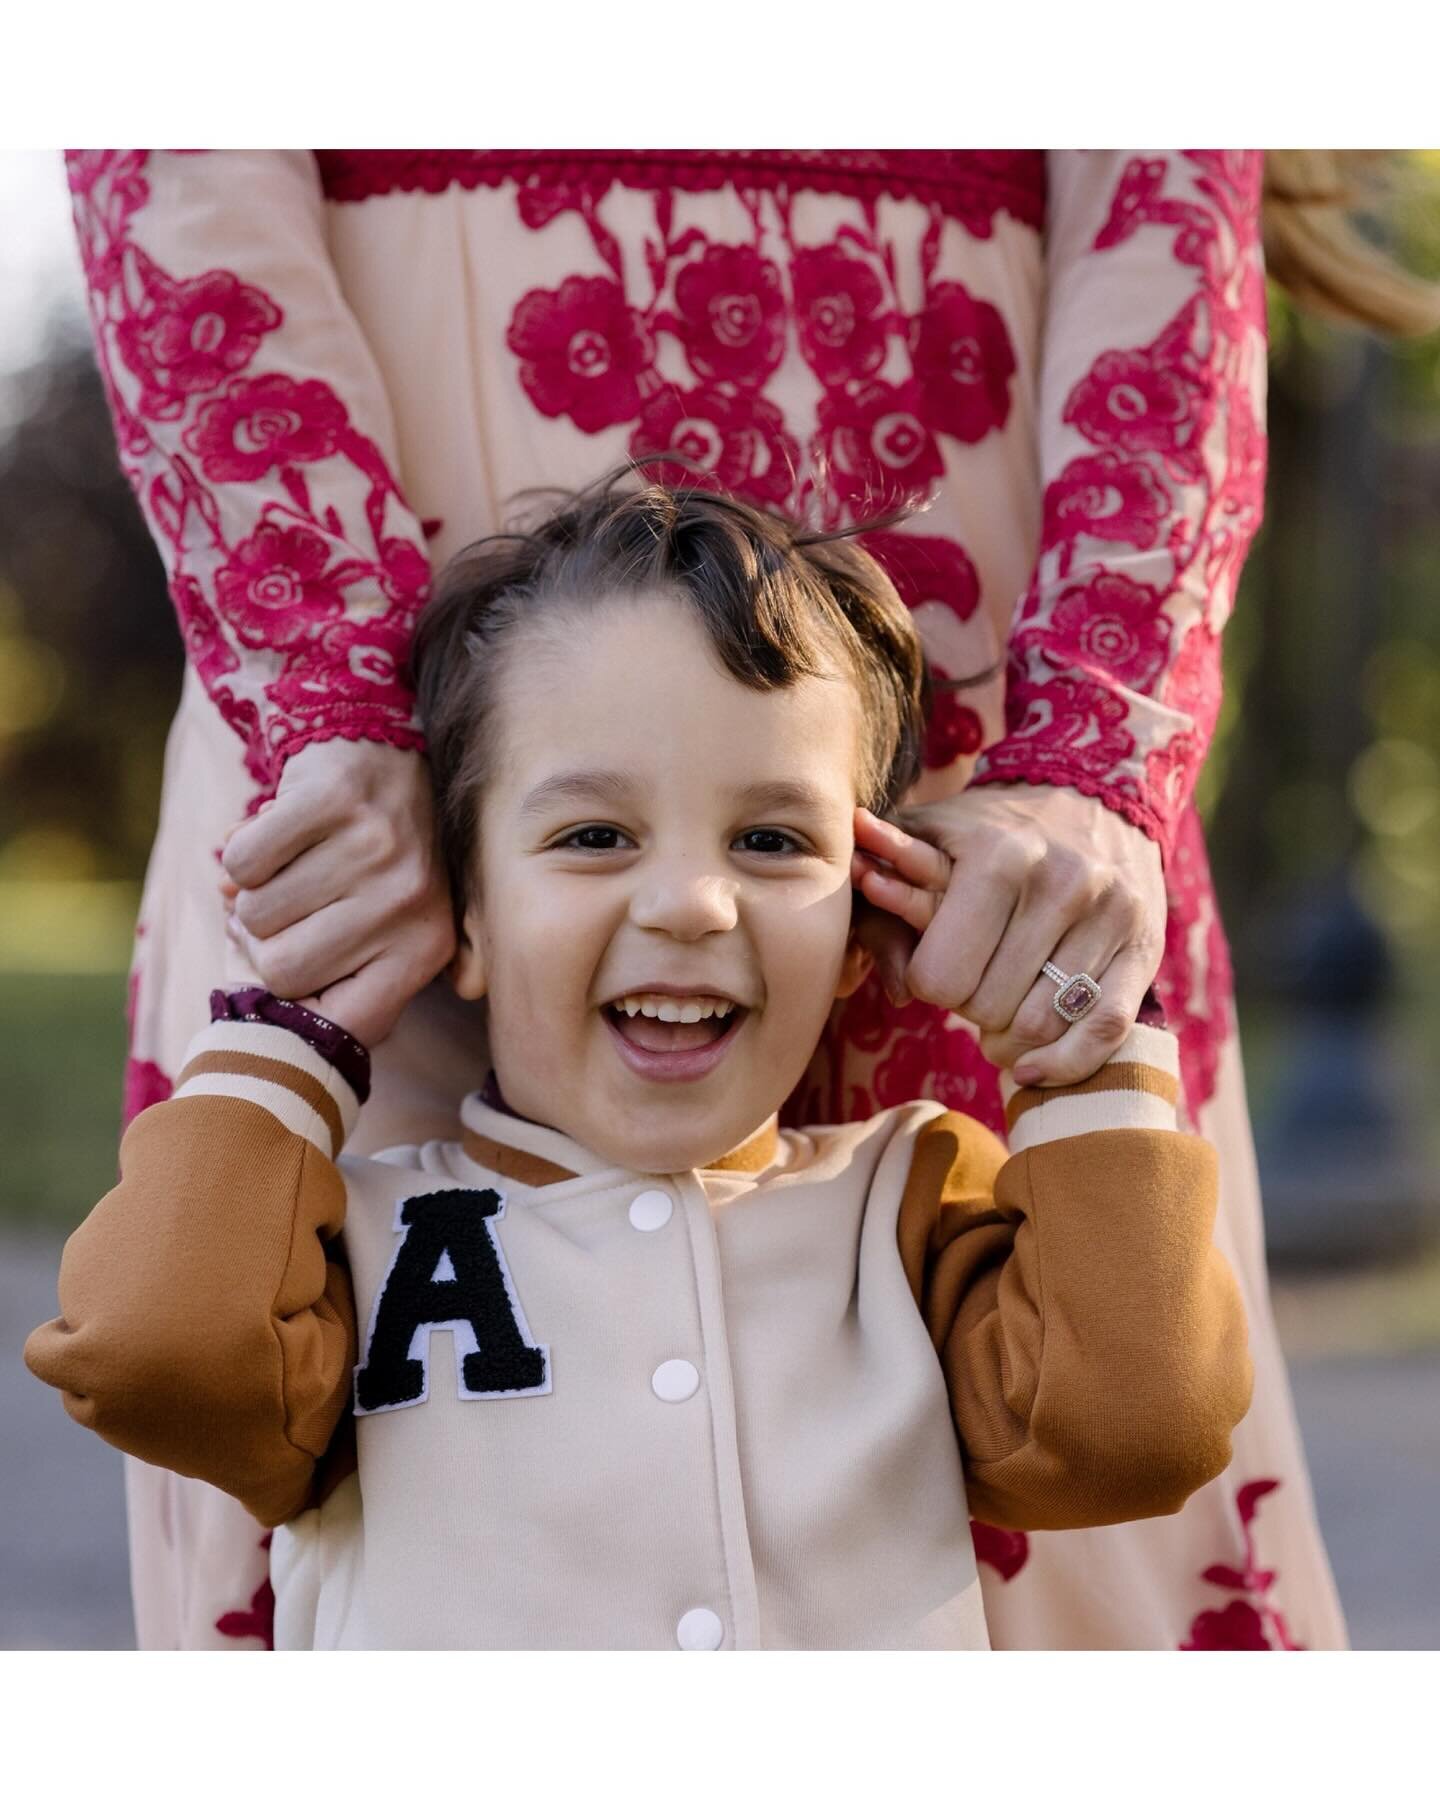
603	786
606	787
782	796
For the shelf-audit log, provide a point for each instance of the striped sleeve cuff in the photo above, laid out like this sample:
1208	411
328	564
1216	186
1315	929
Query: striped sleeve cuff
273	1068
1136	1089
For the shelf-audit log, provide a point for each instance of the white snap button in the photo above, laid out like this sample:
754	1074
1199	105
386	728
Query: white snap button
650	1210
700	1629
675	1380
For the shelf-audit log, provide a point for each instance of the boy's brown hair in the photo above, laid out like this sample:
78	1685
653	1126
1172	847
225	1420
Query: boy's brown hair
777	602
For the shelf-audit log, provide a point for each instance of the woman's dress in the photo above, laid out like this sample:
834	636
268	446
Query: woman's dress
329	371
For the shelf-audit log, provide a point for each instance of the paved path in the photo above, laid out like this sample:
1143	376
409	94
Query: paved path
64	1584
1371	1424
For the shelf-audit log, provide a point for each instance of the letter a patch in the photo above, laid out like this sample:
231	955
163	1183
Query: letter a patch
448	1273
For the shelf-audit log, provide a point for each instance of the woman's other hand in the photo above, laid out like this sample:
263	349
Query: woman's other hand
998	881
336	889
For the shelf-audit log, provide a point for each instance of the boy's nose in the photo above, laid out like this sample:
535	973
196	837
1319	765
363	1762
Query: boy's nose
685	903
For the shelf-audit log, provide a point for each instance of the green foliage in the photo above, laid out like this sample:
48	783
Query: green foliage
62	1053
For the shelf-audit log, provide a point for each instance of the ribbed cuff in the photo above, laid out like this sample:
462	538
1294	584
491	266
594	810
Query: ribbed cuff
1136	1089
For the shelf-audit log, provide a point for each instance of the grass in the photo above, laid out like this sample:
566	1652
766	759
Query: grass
62	1058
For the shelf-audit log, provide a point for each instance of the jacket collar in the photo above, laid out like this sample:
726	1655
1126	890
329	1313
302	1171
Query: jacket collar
538	1156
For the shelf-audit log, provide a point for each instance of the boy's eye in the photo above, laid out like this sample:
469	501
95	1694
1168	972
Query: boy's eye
593	837
767	841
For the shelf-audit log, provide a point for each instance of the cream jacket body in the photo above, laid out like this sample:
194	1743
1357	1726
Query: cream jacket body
740	1407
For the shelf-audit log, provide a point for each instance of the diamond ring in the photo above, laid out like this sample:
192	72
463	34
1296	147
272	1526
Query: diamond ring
1075	995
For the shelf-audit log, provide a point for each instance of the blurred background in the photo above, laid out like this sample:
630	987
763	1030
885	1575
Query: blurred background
1322	803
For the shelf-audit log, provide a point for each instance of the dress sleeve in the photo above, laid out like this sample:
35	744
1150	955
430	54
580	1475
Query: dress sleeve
254	429
1091	1336
1152	454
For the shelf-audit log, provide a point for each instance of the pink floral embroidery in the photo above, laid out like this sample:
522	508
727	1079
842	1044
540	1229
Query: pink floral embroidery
1255	1623
838	300
1103	496
582	351
1113	623
971	186
1155	482
928	570
540	199
733	442
1006	1552
146	1083
954	729
875	1055
964	362
187	337
732	314
1197	1006
206	648
263	424
1138	400
173	355
257	1619
278	587
1058	719
876	446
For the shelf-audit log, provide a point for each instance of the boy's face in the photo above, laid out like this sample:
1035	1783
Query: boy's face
656	833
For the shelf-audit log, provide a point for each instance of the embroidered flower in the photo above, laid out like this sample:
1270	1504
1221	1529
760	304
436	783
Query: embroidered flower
837	314
277	587
732	314
875	446
963	363
953	730
737	443
1137	400
582	351
1115	624
1104	496
260	424
190	336
927	570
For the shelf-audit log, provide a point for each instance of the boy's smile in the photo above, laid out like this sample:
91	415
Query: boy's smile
662	913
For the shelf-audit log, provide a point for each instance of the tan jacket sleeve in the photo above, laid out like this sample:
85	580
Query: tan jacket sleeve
1092	1338
207	1323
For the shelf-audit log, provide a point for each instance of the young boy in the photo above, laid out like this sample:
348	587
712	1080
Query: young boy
628	1366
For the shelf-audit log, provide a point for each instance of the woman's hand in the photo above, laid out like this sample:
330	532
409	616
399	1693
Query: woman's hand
337	893
997	882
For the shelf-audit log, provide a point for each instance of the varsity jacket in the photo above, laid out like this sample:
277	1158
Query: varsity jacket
750	1405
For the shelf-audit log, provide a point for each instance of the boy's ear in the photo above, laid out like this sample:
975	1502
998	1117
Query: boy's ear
856	966
467	967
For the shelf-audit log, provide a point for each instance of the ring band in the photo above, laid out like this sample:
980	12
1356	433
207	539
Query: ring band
1075	994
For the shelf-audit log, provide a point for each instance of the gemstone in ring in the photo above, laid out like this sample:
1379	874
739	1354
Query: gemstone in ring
1076	993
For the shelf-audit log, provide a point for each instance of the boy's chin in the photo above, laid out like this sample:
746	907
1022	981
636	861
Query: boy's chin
670	1149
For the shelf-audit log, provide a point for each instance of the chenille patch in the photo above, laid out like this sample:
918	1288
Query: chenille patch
449	1273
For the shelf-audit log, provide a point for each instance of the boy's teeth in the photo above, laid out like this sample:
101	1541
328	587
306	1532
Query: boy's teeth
672	1011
